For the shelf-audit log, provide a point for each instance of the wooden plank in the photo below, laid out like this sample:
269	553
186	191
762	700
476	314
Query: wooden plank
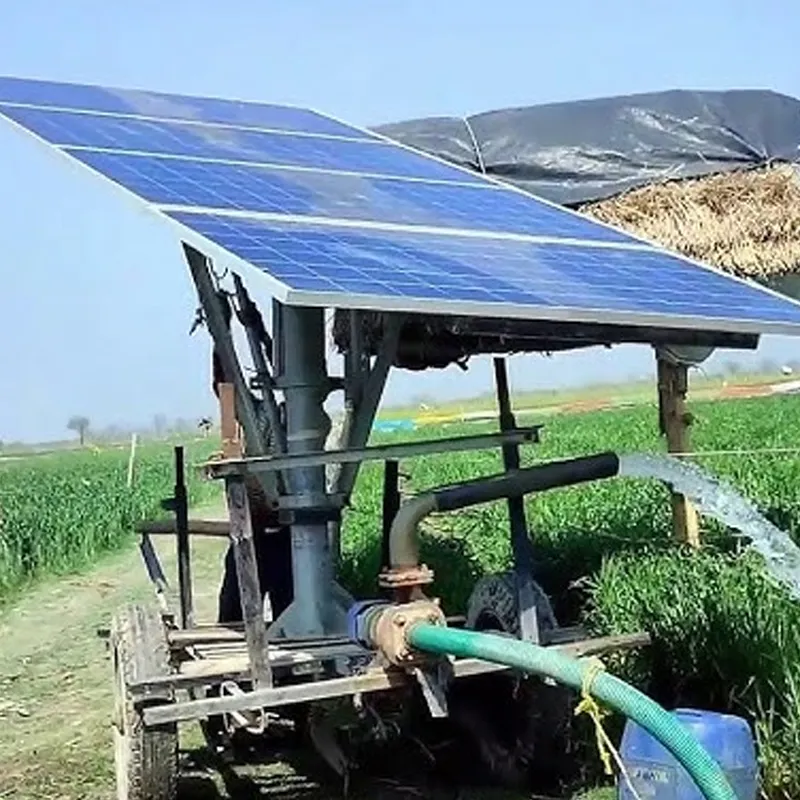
229	426
247	573
675	422
197	527
375	680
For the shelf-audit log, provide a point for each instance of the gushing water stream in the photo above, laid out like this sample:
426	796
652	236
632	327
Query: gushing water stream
715	499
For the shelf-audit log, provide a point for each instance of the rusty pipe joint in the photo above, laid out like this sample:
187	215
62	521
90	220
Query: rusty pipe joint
384	627
405	576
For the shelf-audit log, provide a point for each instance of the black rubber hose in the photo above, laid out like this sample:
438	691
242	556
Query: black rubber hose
524	481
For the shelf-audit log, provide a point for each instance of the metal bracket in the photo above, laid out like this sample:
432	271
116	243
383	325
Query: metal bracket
178	504
224	467
433	679
155	571
520	539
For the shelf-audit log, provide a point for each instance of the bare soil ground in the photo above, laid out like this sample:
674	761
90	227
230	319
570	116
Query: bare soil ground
56	697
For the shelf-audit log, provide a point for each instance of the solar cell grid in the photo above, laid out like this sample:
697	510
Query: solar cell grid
207	155
207	141
547	276
256	188
171	106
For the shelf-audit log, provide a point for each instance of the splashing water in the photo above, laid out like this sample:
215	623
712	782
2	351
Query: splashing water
715	499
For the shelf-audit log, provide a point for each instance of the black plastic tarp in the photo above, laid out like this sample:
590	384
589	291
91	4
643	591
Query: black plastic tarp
577	152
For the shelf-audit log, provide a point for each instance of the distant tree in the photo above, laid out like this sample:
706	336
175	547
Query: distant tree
767	366
183	426
732	368
160	425
79	425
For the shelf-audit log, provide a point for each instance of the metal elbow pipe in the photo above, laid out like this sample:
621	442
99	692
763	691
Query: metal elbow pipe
403	538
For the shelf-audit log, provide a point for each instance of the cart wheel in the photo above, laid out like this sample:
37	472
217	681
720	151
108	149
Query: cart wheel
146	759
520	727
494	605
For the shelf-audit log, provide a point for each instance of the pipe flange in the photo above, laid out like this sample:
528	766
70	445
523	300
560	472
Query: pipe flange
390	629
405	577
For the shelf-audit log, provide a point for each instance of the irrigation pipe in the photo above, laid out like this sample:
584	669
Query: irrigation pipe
611	691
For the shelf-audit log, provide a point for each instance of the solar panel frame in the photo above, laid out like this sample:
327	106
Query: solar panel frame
286	294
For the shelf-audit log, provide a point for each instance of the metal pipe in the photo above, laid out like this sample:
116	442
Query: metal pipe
181	510
403	540
305	387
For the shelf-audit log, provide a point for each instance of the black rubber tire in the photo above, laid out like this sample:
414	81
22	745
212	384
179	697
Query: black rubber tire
494	605
146	759
525	728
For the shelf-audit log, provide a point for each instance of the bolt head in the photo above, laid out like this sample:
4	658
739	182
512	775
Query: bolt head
400	620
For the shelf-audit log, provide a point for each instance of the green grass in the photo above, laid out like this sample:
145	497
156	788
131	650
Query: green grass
725	636
59	512
546	400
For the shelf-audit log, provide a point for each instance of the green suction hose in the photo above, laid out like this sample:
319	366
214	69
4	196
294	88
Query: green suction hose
611	691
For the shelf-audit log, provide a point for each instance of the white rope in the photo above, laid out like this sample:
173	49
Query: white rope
475	145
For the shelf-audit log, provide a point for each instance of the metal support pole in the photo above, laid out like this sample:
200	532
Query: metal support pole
520	542
178	504
391	504
182	537
305	386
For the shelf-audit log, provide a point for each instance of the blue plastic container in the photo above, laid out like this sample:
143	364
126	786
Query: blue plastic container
657	775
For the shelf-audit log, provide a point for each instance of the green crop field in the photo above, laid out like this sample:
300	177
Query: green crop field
60	511
724	635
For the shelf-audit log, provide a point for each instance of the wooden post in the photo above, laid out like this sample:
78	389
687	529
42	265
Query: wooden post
131	460
229	425
674	422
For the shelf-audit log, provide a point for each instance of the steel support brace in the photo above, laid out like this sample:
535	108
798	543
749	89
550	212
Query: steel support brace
248	313
246	409
255	629
364	412
520	542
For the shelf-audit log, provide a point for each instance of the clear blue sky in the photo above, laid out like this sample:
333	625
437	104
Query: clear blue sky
97	301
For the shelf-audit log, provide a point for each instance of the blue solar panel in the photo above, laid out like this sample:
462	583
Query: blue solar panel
479	206
230	144
170	106
389	240
632	284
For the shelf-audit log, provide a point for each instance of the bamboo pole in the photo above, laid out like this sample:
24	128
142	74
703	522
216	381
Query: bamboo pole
675	422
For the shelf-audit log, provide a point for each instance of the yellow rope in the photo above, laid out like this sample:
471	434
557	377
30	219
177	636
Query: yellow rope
588	705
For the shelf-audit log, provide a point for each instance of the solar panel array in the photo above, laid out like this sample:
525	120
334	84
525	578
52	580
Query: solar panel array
339	216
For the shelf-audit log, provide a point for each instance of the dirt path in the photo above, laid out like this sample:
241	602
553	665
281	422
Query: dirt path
55	680
56	697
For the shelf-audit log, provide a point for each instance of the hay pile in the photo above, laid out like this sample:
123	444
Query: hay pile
746	222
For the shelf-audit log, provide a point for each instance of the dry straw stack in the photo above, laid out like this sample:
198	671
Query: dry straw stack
746	222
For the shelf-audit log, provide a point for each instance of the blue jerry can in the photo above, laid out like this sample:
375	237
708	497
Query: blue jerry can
657	775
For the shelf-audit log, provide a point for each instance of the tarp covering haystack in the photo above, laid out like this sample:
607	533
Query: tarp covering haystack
712	175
